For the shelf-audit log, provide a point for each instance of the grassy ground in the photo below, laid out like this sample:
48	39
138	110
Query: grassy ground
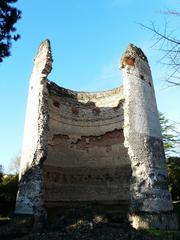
161	234
4	220
177	209
6	212
5	217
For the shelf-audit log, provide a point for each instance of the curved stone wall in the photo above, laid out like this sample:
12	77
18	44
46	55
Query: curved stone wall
80	147
87	160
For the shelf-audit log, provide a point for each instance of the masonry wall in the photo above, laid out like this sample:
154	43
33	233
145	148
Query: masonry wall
80	147
87	160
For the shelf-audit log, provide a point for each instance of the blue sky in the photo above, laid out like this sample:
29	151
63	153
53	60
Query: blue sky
88	38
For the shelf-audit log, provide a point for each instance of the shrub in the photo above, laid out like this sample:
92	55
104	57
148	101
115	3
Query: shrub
174	177
8	188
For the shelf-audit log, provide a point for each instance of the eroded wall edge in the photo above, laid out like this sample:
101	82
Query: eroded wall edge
34	152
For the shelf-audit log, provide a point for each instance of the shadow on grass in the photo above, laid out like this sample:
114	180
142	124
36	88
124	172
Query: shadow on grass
165	234
85	223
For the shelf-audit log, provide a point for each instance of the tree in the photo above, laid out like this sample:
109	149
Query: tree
8	17
9	188
171	142
169	45
171	137
14	164
1	173
173	164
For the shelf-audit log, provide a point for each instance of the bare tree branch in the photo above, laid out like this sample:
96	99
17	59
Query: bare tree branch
171	12
169	45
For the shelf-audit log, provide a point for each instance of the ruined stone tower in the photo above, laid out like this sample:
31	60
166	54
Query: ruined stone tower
100	148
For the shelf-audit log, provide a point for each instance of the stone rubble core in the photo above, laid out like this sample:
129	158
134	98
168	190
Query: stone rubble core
102	148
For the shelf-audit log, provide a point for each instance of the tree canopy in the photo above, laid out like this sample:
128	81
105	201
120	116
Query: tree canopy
14	164
171	137
9	15
1	173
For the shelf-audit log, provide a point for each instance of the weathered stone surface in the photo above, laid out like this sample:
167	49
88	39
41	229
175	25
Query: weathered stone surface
87	160
30	198
149	193
103	147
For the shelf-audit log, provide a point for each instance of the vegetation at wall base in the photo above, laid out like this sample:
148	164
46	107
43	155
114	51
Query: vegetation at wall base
162	234
173	164
8	191
177	210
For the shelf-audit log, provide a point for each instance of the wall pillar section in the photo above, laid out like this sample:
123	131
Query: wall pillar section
151	203
34	152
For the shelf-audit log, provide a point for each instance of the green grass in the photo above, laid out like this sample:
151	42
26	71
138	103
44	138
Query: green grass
4	219
177	209
161	234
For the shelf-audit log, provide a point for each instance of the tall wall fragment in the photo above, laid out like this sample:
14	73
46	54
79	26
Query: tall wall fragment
34	151
151	204
81	147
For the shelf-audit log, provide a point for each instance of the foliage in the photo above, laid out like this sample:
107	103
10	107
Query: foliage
165	234
1	173
171	140
8	188
14	164
174	177
177	209
8	191
8	17
161	234
171	137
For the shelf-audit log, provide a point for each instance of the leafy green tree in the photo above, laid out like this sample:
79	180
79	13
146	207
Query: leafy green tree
170	136
8	17
8	192
174	177
9	187
1	173
14	164
171	146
